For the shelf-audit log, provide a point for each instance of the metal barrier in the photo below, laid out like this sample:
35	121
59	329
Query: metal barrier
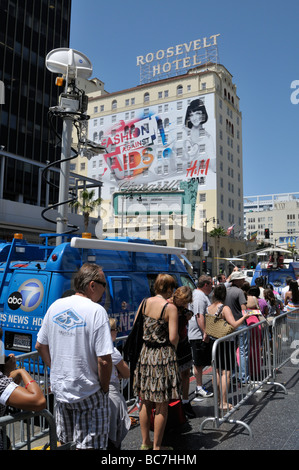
246	352
285	339
26	427
27	433
268	345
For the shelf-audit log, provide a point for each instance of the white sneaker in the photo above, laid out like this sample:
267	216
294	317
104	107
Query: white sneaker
202	392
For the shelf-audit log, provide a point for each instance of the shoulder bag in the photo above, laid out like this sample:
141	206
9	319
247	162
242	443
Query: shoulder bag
134	341
216	326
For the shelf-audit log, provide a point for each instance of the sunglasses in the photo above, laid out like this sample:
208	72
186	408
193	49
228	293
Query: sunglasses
115	329
100	282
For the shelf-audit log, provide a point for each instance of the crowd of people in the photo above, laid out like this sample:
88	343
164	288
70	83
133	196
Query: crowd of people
77	342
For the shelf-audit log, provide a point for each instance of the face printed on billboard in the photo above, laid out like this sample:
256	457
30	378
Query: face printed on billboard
172	141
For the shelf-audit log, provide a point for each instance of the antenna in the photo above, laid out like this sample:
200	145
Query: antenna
70	63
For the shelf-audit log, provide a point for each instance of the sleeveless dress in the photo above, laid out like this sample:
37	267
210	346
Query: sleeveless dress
156	377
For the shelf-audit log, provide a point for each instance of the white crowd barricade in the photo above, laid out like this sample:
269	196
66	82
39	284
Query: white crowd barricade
241	365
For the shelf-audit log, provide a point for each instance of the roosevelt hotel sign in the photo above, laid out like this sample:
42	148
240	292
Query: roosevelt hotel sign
174	60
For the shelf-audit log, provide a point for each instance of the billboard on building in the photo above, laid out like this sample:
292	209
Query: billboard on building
157	147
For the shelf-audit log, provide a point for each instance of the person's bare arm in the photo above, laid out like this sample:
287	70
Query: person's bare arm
173	323
228	315
123	370
104	371
44	352
30	397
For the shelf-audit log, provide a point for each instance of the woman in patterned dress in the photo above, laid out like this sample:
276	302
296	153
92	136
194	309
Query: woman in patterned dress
156	377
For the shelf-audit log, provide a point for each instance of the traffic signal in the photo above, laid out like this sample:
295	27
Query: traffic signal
267	233
204	266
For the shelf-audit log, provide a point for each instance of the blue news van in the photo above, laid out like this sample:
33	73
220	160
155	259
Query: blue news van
276	276
33	276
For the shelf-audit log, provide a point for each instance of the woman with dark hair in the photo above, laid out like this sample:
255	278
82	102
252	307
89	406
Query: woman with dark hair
196	114
226	349
156	377
272	302
198	142
291	299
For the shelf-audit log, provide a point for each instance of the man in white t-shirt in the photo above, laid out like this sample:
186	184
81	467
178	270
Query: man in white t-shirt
75	342
199	342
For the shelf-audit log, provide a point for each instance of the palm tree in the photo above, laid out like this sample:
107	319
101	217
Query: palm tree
86	205
218	232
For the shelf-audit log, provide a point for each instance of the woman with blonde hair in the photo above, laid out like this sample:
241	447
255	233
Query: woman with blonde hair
156	377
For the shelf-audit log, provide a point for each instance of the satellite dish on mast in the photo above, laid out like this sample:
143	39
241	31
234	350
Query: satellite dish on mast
69	62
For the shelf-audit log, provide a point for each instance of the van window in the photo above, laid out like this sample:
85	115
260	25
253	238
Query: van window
186	281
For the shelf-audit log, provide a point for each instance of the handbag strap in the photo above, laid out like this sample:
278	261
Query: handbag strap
163	310
141	308
219	311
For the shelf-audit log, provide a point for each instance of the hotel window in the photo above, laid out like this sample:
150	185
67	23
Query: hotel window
166	94
179	90
179	136
127	102
132	101
113	118
160	95
102	107
188	87
179	167
95	109
179	105
114	104
179	120
146	97
166	108
204	86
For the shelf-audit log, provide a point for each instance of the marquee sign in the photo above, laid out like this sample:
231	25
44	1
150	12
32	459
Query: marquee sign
175	59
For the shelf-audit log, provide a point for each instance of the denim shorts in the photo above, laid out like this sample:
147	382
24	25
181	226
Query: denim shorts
85	422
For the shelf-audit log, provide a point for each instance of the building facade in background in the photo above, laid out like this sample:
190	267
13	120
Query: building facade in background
28	31
174	149
278	214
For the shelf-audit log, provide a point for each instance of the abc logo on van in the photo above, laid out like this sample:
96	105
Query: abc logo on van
28	297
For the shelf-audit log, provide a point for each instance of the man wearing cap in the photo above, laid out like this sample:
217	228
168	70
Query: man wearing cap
236	300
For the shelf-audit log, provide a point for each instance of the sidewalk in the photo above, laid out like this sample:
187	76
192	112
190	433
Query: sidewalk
272	416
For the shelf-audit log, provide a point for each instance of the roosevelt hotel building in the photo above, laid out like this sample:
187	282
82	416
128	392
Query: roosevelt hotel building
160	163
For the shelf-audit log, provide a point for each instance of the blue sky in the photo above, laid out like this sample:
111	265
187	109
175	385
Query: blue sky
258	44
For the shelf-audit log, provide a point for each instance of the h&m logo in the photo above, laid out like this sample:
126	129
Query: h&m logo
2	93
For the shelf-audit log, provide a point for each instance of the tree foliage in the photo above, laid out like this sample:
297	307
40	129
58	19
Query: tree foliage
86	204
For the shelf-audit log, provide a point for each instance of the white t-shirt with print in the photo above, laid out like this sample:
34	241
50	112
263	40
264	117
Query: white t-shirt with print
77	331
